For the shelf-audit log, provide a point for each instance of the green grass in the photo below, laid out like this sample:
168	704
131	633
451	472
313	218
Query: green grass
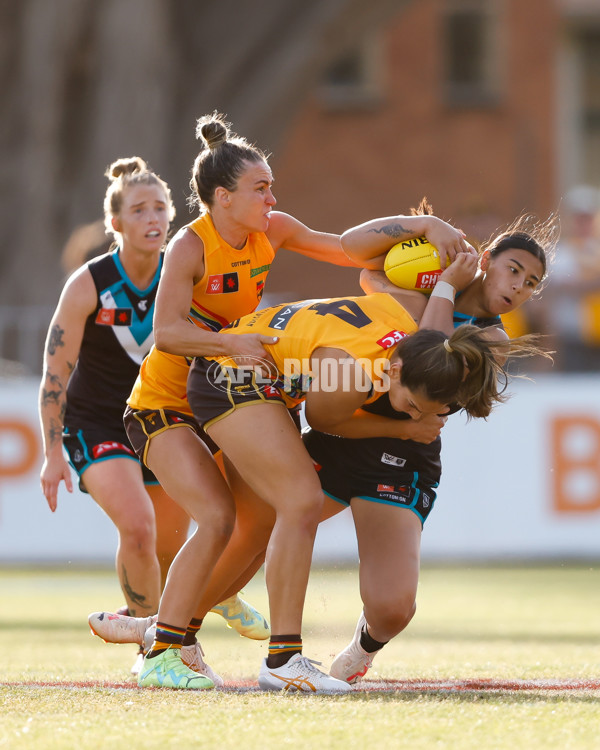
472	623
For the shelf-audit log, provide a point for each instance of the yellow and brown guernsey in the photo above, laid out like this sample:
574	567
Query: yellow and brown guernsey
231	287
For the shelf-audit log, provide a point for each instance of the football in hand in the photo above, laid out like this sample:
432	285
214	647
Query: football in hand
413	264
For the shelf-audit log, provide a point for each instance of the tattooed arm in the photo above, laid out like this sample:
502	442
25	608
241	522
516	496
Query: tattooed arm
368	243
63	342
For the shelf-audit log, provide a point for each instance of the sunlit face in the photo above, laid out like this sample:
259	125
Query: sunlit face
252	200
144	218
510	279
415	403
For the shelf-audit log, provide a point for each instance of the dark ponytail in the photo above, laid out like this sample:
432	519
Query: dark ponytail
464	368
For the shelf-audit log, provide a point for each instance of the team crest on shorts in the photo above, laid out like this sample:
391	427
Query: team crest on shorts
387	458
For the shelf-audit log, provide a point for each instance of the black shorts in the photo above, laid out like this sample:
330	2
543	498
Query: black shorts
214	390
91	444
143	424
370	479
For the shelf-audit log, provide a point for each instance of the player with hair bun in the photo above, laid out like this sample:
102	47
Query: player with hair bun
297	499
382	478
97	340
99	334
215	271
343	347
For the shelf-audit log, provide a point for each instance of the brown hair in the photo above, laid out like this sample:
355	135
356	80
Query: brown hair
463	368
526	232
222	159
125	173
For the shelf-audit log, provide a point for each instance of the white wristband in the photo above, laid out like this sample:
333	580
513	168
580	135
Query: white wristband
445	290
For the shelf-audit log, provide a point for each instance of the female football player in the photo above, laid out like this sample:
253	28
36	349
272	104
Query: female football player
98	337
215	271
335	355
389	483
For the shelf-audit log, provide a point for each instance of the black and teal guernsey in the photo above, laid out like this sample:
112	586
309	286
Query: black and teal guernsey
116	338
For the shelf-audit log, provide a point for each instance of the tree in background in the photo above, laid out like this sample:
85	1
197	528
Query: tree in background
83	81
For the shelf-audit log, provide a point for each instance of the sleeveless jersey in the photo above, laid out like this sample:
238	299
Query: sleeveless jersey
116	338
366	327
232	286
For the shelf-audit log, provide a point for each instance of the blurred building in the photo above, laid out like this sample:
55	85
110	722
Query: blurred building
489	107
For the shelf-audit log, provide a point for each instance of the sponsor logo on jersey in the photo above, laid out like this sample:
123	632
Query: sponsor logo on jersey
260	287
115	316
111	445
223	283
387	458
391	339
385	488
143	305
237	263
427	279
426	500
284	314
255	271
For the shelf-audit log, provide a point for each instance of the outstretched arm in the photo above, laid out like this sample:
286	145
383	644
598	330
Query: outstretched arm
287	232
369	243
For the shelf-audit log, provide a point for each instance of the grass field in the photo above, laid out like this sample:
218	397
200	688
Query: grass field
496	657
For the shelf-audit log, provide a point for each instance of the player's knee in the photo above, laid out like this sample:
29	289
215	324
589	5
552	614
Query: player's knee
138	535
305	507
393	615
217	523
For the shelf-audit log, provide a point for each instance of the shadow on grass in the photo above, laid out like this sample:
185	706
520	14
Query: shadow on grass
503	697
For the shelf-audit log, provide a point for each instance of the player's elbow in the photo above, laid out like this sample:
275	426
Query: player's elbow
163	338
350	244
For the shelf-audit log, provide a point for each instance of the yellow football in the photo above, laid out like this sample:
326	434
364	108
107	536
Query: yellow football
413	264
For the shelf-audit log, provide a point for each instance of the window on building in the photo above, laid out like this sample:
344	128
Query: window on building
354	79
590	94
471	45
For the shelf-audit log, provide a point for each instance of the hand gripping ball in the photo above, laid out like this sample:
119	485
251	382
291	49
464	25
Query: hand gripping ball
413	264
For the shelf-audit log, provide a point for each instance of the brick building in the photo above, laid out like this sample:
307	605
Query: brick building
488	107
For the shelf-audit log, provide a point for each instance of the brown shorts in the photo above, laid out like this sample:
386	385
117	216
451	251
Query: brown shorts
215	390
143	424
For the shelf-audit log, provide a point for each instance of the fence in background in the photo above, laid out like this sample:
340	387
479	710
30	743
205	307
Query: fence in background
523	484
